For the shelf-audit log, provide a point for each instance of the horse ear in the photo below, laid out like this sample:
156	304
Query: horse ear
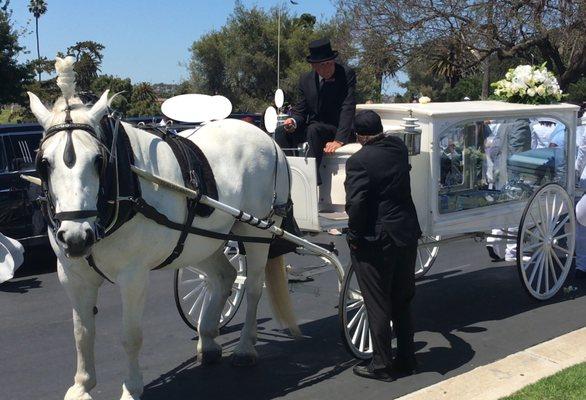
99	109
39	110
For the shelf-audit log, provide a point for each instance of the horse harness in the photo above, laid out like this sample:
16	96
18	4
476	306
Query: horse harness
119	196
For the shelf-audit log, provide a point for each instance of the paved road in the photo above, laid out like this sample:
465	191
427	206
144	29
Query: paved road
468	312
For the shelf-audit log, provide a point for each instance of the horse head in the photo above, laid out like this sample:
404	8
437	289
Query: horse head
70	162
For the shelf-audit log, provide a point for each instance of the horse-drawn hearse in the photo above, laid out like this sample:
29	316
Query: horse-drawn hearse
469	179
121	200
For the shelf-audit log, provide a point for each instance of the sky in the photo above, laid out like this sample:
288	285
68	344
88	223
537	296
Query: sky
145	40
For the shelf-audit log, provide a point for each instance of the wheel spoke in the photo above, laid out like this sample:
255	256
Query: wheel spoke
534	234
532	259
354	305
364	333
532	246
546	217
569	234
560	225
560	248
540	275
191	269
193	291
356	317
197	302
358	330
552	268
546	272
535	268
185	282
558	261
537	224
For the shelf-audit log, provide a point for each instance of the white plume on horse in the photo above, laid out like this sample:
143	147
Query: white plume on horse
65	75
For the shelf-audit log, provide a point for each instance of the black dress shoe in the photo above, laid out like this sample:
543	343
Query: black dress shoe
366	371
579	274
402	368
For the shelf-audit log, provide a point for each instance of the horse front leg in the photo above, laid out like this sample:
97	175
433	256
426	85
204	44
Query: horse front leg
133	286
81	285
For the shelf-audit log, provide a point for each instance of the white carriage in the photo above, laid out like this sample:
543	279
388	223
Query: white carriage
478	169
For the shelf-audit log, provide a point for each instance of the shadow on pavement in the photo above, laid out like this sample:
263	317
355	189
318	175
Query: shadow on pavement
285	365
450	304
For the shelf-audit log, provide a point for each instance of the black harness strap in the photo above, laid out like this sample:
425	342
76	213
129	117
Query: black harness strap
92	264
141	206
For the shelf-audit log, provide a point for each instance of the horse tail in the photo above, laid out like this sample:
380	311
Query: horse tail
278	290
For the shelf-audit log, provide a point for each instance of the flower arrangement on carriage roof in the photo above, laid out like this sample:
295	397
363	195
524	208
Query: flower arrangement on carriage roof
528	84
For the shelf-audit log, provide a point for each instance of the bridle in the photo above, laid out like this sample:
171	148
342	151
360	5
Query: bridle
54	219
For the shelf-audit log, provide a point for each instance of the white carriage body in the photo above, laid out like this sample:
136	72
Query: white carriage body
434	120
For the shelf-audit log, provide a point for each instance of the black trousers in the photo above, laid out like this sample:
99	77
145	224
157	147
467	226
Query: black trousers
316	134
386	276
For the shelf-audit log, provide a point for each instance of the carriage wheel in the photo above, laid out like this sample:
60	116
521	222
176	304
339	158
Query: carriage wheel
353	318
426	255
545	241
192	290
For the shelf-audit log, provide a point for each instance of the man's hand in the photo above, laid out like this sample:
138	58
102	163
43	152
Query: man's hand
332	147
289	125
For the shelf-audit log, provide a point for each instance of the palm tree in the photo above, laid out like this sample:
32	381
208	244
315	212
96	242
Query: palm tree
37	8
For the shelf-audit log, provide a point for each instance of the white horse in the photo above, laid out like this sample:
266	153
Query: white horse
242	158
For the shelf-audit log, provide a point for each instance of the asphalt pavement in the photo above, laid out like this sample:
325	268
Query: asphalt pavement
468	312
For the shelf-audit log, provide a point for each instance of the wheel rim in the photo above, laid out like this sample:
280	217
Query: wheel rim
426	255
354	319
192	290
546	240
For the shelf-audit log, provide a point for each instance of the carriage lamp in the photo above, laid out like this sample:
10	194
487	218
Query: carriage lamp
410	134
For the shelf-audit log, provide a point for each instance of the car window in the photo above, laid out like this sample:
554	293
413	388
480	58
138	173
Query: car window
21	151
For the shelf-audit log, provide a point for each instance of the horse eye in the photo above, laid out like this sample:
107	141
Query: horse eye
99	163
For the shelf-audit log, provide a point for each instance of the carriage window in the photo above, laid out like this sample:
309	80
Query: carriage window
497	161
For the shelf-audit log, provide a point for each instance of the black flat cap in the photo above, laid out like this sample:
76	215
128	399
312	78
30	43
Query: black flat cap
367	122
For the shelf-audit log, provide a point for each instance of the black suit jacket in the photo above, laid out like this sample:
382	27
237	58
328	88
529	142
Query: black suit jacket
335	105
378	194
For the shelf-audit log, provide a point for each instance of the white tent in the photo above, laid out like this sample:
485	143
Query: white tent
11	257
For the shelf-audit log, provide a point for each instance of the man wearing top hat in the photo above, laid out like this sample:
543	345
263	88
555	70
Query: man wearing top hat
324	113
382	234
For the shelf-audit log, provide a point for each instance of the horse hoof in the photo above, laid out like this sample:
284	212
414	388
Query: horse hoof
210	357
77	393
243	360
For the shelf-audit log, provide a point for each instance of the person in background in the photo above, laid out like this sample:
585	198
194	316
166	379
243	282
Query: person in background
580	272
324	113
383	231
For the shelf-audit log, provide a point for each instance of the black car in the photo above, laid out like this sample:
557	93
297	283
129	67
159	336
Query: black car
20	215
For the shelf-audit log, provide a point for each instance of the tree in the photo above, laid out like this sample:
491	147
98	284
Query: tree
88	55
472	34
143	101
239	61
13	75
115	85
37	8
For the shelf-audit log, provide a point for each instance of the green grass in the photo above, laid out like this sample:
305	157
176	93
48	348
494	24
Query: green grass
569	384
4	116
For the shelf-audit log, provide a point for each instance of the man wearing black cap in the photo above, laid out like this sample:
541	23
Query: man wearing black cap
382	234
324	113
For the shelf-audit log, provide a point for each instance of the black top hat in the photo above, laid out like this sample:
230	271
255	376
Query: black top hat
321	50
367	122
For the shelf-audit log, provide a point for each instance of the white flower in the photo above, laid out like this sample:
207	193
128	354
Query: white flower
424	100
531	92
540	90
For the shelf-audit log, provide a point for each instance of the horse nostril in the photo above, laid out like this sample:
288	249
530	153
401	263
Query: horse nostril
61	236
